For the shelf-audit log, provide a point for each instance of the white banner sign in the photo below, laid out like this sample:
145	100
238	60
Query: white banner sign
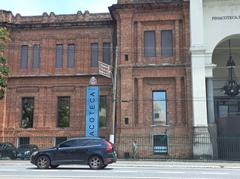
104	69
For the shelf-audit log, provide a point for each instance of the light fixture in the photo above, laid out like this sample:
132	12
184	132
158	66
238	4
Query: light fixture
231	88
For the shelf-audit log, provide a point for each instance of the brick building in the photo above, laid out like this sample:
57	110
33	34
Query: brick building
154	74
52	58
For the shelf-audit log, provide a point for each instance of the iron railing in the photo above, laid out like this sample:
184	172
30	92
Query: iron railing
150	147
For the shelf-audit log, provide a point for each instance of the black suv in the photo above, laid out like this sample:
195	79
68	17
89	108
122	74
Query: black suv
95	152
25	151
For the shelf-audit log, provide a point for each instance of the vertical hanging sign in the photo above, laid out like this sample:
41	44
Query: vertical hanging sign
92	111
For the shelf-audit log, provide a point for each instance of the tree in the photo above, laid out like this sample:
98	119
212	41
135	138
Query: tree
4	69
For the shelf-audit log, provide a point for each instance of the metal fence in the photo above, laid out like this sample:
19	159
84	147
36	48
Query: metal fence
149	147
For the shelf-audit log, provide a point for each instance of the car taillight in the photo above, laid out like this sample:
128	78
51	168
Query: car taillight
109	146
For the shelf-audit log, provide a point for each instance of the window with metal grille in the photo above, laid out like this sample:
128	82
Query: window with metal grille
160	144
23	141
71	55
149	44
63	111
27	112
166	43
106	53
36	56
24	57
59	56
94	54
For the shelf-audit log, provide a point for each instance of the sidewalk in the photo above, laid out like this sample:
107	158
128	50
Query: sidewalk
180	163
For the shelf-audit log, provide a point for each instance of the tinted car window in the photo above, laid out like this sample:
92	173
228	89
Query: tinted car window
70	143
82	142
94	142
6	146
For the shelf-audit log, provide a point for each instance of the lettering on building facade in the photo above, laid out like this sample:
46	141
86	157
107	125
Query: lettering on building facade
92	106
225	18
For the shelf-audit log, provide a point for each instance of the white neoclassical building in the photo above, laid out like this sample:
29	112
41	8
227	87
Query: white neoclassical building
215	57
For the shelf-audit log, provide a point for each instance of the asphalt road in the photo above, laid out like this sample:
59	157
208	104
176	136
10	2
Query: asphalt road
123	170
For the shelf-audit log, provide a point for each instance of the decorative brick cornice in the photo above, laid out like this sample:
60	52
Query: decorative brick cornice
80	19
146	1
149	4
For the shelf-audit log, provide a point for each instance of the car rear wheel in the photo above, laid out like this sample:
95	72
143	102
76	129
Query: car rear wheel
43	162
95	162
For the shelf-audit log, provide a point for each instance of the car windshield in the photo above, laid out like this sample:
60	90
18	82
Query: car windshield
6	146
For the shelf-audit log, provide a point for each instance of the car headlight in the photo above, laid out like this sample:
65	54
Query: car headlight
27	152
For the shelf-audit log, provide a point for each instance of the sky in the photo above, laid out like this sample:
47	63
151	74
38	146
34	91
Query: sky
38	7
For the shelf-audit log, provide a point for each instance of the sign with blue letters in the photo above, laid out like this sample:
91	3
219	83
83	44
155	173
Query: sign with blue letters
92	111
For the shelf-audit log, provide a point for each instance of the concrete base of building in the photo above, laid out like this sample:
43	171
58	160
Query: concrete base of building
202	145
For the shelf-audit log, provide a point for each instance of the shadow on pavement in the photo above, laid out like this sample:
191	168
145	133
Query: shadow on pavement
68	168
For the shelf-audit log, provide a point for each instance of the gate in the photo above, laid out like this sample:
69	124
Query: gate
228	127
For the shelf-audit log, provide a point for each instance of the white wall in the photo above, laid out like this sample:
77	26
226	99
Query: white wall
216	30
221	22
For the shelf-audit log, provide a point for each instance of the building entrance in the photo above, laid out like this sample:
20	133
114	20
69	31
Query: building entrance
228	123
227	98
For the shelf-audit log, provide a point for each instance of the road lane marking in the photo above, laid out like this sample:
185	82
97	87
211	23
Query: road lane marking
94	177
214	173
8	170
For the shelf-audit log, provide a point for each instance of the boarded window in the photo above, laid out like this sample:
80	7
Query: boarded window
36	56
59	56
106	53
166	43
149	44
94	54
24	57
71	55
27	112
63	111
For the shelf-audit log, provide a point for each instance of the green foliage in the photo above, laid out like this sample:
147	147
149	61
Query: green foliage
3	82
4	38
2	92
63	111
3	60
27	113
4	69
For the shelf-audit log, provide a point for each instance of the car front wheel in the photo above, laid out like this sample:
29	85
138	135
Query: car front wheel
95	162
43	162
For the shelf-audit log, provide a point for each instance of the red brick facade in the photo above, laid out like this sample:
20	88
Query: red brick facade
138	76
47	82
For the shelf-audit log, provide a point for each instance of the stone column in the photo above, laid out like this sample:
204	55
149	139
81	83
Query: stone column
210	101
211	117
202	146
